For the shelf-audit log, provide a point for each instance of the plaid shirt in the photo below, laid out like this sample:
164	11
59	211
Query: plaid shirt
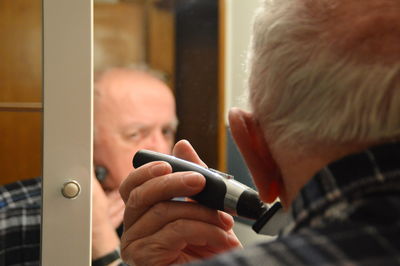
348	214
20	205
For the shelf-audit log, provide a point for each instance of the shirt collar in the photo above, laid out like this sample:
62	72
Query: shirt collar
345	179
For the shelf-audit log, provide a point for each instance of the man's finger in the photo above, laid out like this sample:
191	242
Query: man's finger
141	175
160	189
167	245
184	150
166	212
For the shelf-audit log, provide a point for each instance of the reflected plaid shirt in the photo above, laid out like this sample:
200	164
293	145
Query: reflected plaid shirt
348	214
20	223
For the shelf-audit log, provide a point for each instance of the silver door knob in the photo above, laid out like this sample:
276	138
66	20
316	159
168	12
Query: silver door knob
71	189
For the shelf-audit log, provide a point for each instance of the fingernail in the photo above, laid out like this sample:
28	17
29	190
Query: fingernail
159	169
193	180
225	219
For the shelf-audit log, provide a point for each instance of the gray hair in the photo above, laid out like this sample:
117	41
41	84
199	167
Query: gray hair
312	81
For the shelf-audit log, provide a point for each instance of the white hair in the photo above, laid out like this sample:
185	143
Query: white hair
313	79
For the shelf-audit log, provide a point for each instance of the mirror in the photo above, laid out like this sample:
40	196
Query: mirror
175	37
172	38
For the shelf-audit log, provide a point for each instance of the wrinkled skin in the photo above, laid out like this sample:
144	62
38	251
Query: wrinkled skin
159	231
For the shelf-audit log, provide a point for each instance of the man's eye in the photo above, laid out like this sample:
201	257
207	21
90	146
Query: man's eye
134	135
168	132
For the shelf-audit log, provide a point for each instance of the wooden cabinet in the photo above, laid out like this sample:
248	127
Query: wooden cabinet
119	33
20	90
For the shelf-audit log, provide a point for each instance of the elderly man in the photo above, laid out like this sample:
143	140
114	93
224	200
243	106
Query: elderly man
324	86
133	110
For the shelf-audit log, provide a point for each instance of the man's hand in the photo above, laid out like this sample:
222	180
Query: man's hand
159	231
107	212
116	208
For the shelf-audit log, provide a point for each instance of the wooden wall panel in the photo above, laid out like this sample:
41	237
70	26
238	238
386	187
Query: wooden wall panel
160	42
20	145
222	126
119	36
20	51
20	89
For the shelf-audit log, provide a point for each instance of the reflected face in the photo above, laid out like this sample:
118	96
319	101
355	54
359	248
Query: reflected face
132	111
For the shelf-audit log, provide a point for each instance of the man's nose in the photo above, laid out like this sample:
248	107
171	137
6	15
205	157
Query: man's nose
157	142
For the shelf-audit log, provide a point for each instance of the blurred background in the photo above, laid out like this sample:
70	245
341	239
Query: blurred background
180	38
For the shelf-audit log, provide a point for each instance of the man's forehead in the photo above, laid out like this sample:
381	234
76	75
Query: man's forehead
173	123
130	80
142	96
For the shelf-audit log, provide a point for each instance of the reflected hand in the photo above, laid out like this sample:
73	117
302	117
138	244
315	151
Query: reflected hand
104	237
116	208
159	231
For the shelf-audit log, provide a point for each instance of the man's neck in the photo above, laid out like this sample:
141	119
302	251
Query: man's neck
298	169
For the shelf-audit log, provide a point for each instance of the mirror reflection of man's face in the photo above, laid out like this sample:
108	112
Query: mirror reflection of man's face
132	111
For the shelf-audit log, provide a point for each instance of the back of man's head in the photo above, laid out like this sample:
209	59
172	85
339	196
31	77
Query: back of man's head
326	71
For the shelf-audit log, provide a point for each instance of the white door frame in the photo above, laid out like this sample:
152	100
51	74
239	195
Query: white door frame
67	131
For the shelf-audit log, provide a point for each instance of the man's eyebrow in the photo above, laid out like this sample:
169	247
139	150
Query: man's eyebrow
139	126
174	124
136	126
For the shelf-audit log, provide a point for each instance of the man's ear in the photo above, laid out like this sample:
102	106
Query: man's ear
250	140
